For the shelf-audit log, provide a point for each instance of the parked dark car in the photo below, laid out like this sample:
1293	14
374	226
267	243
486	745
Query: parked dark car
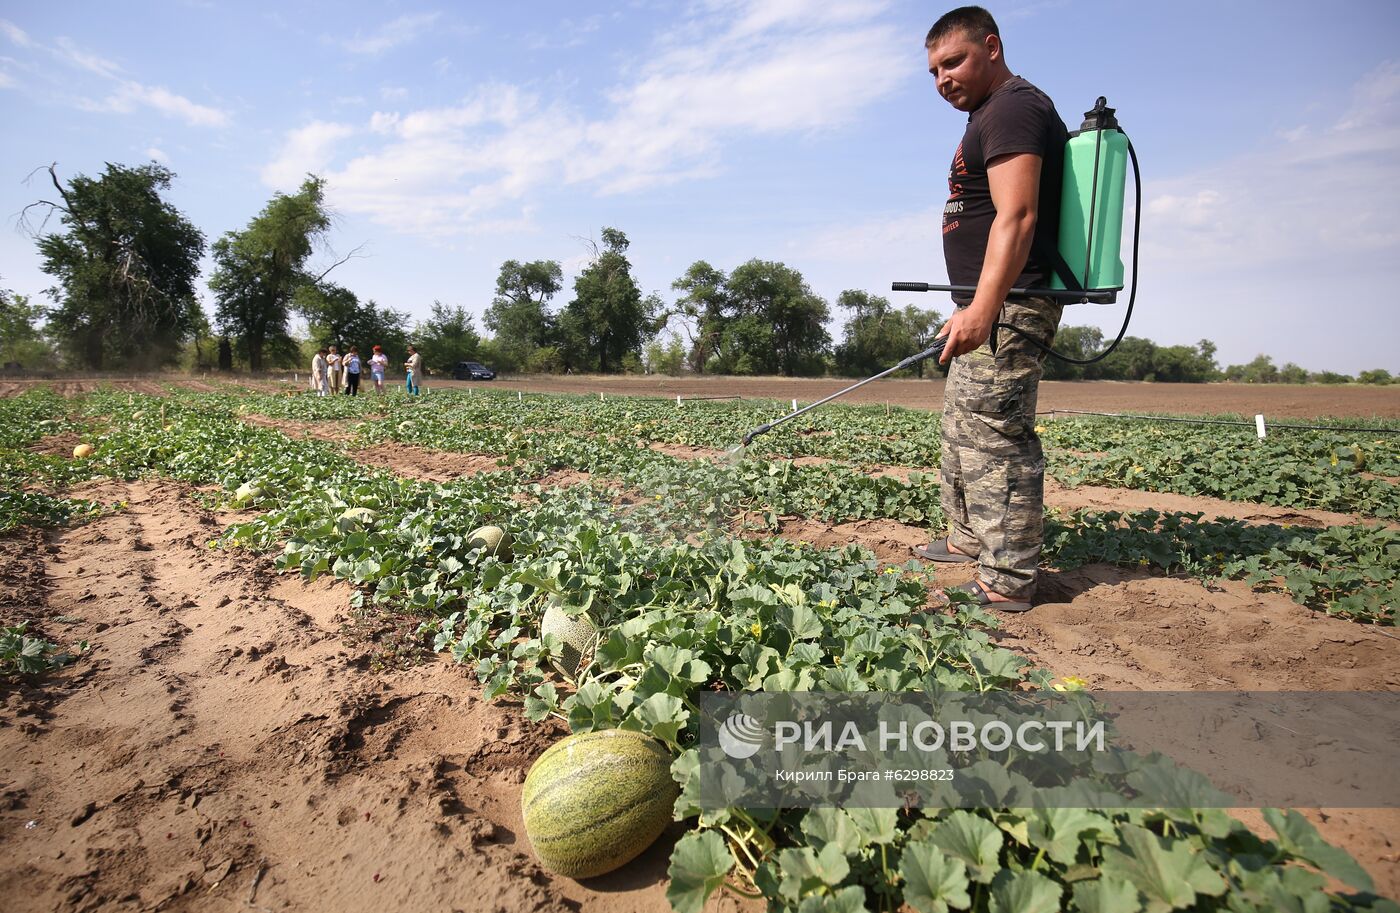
472	370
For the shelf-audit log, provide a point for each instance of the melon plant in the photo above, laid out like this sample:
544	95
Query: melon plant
595	800
578	634
493	540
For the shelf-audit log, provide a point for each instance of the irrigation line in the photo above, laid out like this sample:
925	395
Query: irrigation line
1194	421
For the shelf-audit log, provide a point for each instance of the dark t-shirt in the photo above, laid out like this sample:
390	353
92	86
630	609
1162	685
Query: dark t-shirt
1017	117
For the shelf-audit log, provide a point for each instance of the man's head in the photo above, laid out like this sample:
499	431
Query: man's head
965	56
412	350
332	349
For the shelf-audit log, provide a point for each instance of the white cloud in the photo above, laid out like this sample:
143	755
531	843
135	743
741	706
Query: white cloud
393	93
14	33
128	94
157	154
131	95
1319	192
391	34
6	80
308	149
70	52
757	67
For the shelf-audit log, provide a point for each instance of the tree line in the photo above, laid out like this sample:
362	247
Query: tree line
125	265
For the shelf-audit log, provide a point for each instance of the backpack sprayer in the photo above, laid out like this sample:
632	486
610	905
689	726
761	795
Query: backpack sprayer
1091	233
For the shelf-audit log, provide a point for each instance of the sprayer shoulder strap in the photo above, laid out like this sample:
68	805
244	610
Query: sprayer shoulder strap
1057	262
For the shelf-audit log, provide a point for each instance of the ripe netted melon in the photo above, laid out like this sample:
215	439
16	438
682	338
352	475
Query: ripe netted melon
595	800
82	450
493	539
579	634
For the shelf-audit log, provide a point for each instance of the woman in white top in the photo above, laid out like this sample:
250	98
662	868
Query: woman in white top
319	382
378	364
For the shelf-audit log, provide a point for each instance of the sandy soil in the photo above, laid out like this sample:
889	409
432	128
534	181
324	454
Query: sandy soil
230	745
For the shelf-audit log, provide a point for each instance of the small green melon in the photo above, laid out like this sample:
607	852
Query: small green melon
493	539
579	634
595	800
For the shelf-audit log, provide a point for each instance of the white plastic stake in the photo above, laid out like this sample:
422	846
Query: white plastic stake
1259	425
678	399
296	377
518	397
794	405
600	396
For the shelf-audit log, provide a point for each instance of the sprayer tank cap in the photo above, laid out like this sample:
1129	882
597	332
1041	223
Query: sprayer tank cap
1100	117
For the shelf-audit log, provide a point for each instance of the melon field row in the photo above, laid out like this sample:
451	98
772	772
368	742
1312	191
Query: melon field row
653	553
1340	469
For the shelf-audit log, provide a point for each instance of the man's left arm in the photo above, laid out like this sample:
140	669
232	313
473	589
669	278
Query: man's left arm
1014	181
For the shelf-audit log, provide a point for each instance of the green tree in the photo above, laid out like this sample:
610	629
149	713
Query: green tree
878	335
519	316
1292	374
1079	343
923	329
447	337
608	317
126	264
779	326
1375	376
1131	360
259	270
704	310
1259	371
1329	377
668	359
22	341
336	316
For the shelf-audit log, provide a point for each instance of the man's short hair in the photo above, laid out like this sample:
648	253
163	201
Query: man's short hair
974	20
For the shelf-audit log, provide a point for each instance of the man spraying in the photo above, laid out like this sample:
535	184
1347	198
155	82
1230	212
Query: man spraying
999	225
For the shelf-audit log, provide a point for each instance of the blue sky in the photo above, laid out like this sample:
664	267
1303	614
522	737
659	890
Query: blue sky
455	137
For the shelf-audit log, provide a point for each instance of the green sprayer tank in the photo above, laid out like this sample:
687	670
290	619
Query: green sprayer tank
1091	203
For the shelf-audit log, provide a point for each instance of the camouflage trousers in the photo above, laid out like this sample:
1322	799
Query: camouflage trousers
993	471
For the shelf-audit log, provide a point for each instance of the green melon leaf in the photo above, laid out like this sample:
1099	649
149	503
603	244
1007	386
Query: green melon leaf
699	864
933	882
1170	872
974	840
1107	895
1024	892
1298	837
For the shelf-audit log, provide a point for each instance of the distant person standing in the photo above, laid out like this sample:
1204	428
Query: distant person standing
413	366
352	372
319	380
334	367
378	364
